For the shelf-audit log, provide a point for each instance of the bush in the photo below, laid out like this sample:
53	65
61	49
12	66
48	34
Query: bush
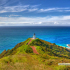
29	50
54	44
45	56
50	63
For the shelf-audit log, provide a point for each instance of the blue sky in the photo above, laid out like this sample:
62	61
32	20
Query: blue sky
34	12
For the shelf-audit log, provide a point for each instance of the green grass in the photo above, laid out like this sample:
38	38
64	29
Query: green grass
30	62
21	57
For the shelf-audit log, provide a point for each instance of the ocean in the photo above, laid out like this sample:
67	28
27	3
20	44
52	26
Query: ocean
12	35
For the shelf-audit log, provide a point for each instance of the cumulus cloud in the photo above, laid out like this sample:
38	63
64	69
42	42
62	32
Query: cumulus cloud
48	21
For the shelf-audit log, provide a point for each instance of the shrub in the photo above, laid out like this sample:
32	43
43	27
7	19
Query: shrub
29	50
45	56
50	63
54	44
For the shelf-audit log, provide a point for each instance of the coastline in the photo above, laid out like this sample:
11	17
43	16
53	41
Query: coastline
68	45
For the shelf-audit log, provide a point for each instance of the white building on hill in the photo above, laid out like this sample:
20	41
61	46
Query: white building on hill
34	37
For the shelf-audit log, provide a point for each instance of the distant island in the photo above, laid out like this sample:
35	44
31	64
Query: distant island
35	54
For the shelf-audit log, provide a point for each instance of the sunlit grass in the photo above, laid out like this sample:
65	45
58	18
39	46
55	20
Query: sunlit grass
23	58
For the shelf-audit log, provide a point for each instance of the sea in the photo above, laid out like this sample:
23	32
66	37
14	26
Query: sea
12	35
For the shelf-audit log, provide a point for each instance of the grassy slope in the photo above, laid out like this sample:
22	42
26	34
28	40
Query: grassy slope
51	49
21	57
22	46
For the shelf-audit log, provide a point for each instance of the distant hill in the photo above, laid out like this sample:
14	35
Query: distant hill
23	57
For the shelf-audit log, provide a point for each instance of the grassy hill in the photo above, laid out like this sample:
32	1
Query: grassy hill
21	57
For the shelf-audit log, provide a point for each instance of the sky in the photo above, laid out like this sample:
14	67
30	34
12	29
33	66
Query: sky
34	12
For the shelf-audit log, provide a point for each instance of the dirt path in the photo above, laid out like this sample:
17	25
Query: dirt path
33	47
30	41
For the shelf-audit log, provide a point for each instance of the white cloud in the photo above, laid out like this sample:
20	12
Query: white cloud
67	10
14	9
55	9
45	10
5	6
13	15
31	8
2	2
8	2
19	8
49	20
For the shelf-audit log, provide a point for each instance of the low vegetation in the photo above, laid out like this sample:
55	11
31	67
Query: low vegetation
21	57
51	49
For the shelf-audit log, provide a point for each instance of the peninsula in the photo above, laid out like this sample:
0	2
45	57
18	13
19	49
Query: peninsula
35	54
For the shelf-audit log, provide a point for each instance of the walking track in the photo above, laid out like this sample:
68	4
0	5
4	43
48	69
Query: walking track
33	47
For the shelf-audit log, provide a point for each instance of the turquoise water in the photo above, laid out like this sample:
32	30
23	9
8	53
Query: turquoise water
10	36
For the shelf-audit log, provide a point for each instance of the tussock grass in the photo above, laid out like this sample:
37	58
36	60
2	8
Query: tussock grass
21	57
